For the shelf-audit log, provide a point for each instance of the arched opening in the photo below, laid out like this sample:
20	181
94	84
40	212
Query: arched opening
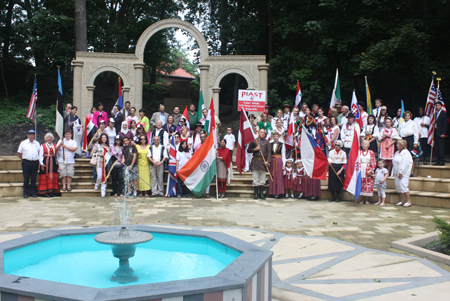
106	89
170	75
228	96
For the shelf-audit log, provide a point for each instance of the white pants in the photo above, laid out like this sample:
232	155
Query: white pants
248	158
381	191
157	173
207	189
99	181
402	184
259	177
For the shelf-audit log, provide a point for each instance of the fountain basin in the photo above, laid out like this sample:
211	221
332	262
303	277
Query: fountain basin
235	280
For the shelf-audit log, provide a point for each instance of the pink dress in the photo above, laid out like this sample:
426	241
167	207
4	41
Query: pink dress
387	154
368	164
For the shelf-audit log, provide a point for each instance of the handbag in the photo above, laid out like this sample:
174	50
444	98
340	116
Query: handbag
93	160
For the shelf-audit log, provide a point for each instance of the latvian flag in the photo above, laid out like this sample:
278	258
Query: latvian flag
172	179
199	171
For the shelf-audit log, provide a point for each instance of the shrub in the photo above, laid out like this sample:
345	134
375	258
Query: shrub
443	228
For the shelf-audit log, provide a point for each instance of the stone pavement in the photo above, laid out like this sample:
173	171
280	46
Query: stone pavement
356	263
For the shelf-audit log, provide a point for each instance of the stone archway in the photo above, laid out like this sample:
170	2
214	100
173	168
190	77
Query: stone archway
130	67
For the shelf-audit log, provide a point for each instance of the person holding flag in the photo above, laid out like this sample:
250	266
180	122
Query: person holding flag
245	136
347	133
172	179
99	152
440	131
278	160
337	159
182	157
224	168
262	154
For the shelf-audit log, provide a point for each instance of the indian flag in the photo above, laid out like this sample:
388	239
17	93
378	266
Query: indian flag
199	171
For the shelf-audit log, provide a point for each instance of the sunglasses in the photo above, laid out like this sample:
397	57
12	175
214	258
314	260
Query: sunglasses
141	138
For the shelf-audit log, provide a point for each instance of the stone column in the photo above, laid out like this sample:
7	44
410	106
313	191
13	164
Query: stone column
126	95
90	95
77	78
138	75
263	71
216	94
204	70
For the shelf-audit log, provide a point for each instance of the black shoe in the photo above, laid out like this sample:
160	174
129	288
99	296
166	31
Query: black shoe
256	192
25	195
337	200
261	193
436	164
331	200
313	198
33	195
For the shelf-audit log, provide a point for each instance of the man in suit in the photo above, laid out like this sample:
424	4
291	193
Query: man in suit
160	115
440	132
126	110
376	112
118	118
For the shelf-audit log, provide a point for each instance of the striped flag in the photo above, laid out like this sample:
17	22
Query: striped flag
89	131
290	139
32	107
353	182
245	136
108	165
336	96
433	117
298	96
355	110
210	122
59	126
199	171
172	180
429	108
314	160
186	116
369	98
201	106
120	98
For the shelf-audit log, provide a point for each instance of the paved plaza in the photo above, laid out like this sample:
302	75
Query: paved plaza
322	250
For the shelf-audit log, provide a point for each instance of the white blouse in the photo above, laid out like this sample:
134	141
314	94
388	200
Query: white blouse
409	128
370	129
283	152
402	163
337	158
423	130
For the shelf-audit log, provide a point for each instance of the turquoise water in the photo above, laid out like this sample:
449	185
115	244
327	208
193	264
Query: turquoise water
78	259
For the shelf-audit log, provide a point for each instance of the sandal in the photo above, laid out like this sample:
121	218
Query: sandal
399	204
63	189
69	189
406	205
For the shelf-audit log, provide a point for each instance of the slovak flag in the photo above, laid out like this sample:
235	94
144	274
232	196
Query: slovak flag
314	160
352	181
172	179
356	111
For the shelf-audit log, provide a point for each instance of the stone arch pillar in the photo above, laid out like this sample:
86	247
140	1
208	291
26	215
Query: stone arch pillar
204	70
126	95
77	82
216	93
90	94
263	72
138	77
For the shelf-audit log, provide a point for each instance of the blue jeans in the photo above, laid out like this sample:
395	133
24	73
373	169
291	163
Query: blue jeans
180	189
95	173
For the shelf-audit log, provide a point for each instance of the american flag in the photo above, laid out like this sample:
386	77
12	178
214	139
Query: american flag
172	180
32	107
429	110
431	128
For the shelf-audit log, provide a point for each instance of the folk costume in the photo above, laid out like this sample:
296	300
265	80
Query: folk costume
347	135
48	177
288	178
257	166
267	126
371	131
368	165
224	169
335	182
299	181
385	137
321	133
276	186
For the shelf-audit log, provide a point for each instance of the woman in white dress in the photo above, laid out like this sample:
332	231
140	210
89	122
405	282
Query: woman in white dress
368	166
279	128
402	165
333	132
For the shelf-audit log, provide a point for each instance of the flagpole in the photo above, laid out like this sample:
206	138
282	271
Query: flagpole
215	146
434	118
264	159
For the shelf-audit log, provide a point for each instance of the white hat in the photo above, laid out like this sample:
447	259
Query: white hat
290	160
298	161
111	120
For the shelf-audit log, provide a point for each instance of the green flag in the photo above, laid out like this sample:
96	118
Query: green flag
201	106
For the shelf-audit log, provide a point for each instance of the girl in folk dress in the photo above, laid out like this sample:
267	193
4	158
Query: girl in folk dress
387	140
321	132
299	179
332	132
277	162
48	171
368	165
288	177
370	133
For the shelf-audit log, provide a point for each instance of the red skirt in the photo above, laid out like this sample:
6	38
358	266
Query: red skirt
299	183
312	187
47	184
289	181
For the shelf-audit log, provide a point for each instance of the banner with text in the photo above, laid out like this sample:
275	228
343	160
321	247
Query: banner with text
251	100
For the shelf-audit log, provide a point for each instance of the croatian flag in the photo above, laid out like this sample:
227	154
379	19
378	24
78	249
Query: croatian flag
314	160
172	179
352	181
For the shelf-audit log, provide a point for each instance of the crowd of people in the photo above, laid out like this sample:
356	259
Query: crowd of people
389	146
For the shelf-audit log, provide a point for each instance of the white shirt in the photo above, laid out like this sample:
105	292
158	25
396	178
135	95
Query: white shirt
29	150
111	135
70	156
343	121
423	130
283	120
347	134
337	158
409	128
370	129
165	140
376	112
364	117
182	158
230	141
154	152
402	163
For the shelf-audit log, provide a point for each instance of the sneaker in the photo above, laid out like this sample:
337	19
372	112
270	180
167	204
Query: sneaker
292	196
300	195
286	196
96	187
135	194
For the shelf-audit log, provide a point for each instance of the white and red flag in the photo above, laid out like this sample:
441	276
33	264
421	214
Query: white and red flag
298	96
32	107
290	139
355	110
186	116
245	137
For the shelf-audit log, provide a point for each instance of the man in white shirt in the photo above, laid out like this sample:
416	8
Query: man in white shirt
376	112
281	117
343	116
287	111
29	153
66	159
126	110
231	140
161	133
157	155
347	132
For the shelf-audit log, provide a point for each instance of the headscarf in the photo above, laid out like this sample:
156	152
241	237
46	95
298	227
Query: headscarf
122	130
